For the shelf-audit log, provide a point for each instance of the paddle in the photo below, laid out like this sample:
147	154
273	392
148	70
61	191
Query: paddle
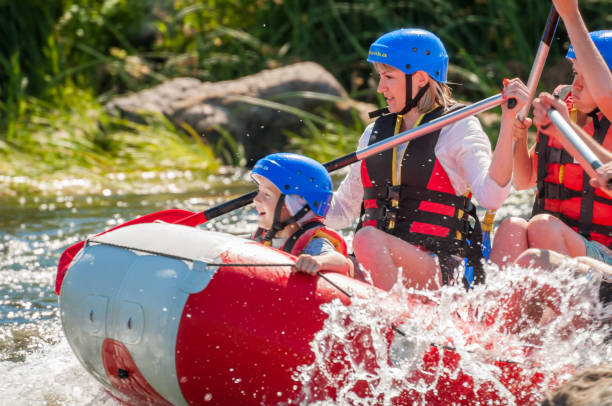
538	64
189	218
540	59
587	159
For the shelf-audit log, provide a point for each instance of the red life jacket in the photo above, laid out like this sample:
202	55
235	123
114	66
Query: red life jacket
429	213
564	190
314	228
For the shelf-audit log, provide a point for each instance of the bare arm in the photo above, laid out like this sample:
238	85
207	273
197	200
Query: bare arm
596	72
604	175
330	261
525	173
600	152
503	160
542	104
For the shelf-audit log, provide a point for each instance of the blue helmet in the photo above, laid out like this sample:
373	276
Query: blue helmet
410	50
295	174
603	41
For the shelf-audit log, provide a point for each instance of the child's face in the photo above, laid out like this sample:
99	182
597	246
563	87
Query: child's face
580	93
265	203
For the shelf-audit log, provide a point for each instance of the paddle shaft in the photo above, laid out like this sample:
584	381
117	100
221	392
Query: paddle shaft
540	60
359	155
589	160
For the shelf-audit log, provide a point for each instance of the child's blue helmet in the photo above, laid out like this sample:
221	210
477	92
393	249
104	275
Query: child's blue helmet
410	50
603	41
295	174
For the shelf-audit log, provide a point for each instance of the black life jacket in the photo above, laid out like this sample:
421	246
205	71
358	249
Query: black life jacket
429	214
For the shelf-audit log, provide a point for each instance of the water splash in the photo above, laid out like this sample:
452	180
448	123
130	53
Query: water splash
49	374
523	325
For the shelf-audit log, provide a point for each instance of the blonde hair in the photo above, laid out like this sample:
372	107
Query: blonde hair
438	93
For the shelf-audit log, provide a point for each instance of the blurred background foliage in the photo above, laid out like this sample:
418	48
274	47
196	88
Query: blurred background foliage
61	60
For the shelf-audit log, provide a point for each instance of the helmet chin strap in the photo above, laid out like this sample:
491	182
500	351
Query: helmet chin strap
410	102
278	225
593	115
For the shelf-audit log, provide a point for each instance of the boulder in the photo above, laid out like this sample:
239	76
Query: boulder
210	108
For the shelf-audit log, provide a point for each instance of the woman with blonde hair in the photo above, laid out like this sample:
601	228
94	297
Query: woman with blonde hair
414	201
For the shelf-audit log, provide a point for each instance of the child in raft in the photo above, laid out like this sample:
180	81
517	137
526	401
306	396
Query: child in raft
293	197
414	200
570	216
547	240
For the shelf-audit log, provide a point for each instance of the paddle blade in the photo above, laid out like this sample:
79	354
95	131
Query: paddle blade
167	216
64	262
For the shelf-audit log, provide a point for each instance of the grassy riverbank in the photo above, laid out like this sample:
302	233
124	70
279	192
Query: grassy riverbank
61	61
76	147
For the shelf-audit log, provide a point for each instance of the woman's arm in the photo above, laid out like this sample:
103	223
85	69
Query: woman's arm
502	162
604	175
524	166
464	151
597	74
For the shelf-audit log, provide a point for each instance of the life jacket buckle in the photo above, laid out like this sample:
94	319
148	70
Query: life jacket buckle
393	192
390	214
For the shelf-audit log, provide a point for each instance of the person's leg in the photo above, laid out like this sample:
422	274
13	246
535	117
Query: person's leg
382	254
547	232
547	298
510	240
541	259
598	261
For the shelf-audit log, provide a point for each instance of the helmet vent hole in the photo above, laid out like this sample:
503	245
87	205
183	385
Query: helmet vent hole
287	187
316	204
311	179
407	67
299	172
414	49
437	73
427	53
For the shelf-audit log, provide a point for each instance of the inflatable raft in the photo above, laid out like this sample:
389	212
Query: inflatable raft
164	314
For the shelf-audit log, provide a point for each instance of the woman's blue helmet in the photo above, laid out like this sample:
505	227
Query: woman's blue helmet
603	41
410	50
295	174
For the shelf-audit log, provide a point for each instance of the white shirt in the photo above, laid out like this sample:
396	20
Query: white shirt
464	151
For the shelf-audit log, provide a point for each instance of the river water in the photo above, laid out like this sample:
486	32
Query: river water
36	363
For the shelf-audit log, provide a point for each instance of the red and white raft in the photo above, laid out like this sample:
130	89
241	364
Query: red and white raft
150	319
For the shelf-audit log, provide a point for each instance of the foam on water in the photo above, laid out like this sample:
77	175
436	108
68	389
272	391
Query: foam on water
49	375
567	338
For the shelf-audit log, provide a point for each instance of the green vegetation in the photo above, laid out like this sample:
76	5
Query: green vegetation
61	60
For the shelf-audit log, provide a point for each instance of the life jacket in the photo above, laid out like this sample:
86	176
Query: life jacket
314	228
424	208
563	186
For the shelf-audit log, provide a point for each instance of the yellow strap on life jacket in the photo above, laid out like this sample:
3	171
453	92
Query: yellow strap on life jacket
487	222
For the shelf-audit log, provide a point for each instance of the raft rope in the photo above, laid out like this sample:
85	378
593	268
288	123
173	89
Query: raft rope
218	264
221	264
